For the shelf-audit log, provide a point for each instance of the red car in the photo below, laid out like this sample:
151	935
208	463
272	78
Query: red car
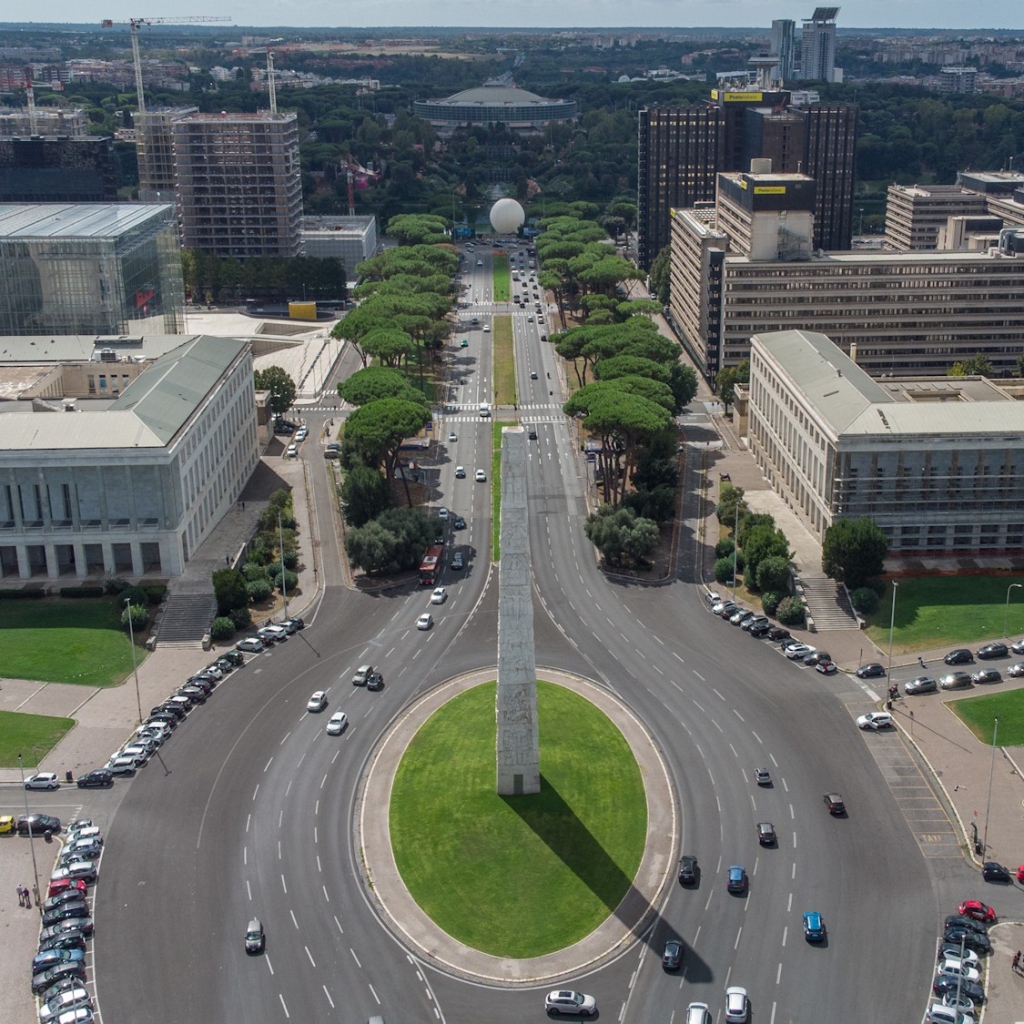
66	883
979	911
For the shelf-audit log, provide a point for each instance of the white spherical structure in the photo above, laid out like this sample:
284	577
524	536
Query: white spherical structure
507	216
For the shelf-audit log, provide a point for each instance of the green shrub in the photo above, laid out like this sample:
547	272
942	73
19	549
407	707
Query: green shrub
770	601
291	559
114	585
259	590
254	571
291	580
139	615
864	600
155	592
725	547
223	628
879	586
790	611
241	617
28	594
137	596
723	570
773	573
73	592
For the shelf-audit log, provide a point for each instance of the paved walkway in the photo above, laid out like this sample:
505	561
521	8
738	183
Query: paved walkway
384	885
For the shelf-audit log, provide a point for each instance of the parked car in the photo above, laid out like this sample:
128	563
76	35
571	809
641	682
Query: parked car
986	675
939	1014
814	926
827	668
875	720
43	980
873	670
960	656
252	644
79	908
943	986
978	911
963	921
79	886
817	657
52	957
272	634
955	681
81	924
84	869
1017	646
798	651
778	633
1016	669
993	872
37	824
43	780
972	940
954	968
124	765
996	649
98	777
760	632
73	939
922	684
70	999
234	658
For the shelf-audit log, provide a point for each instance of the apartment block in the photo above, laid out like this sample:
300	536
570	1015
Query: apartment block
936	462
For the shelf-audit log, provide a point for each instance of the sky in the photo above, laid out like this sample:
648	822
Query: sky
347	14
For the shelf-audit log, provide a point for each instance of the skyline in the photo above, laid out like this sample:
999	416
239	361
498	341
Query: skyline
912	15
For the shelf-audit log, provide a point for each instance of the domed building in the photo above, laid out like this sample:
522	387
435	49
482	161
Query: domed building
494	103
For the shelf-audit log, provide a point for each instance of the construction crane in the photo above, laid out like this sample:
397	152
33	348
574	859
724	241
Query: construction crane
135	23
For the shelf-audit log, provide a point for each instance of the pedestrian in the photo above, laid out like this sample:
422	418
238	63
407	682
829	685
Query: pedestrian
28	897
1016	960
921	660
21	896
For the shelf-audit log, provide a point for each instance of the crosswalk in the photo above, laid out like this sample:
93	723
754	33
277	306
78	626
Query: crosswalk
528	406
531	418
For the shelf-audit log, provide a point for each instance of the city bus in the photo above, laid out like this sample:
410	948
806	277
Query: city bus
430	566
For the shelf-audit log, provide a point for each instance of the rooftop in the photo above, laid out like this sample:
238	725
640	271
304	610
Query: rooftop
83	348
28	221
488	95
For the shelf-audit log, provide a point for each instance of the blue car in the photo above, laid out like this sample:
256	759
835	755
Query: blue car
814	927
737	879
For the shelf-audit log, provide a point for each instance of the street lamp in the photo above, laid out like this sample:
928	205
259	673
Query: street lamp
991	771
31	842
135	667
892	623
1006	613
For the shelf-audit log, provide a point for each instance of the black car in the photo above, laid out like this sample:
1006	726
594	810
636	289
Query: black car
533	430
173	708
963	921
993	872
42	981
163	718
233	658
205	682
766	833
96	779
993	650
294	624
943	986
871	671
835	805
816	657
971	939
760	632
79	908
459	523
987	675
72	924
687	869
375	681
757	622
672	958
778	633
62	899
961	656
73	939
37	824
195	694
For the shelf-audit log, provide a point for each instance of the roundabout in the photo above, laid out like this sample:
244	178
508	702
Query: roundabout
518	889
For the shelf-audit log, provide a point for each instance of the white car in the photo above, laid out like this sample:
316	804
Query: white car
291	451
336	726
62	1002
954	968
317	702
460	472
736	1005
137	750
442	513
452	436
940	1014
439	596
123	765
425	621
697	1013
301	434
487	328
875	720
43	780
481	476
569	1003
86	832
799	651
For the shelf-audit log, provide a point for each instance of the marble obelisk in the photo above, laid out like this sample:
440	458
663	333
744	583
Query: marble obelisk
518	746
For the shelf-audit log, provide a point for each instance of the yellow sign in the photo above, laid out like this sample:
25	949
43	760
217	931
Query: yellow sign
743	97
769	190
743	183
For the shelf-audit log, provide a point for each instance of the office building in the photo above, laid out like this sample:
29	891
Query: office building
57	170
681	152
750	266
349	239
784	47
89	269
957	79
238	183
818	46
494	103
133	487
936	462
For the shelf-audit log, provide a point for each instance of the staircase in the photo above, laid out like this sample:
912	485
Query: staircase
186	619
827	603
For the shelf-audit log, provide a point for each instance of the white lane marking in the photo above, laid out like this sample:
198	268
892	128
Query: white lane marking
697	674
255	791
717	726
792	813
660	641
245	856
323	781
778	978
279	849
676	656
715	692
792	873
337	754
310	955
774	762
736	944
738	715
248	820
658	670
284	1006
248	889
641	653
326	993
338	923
318	867
785	932
280	817
771	1020
389	653
286	735
734	753
269	763
785	785
316	835
294	921
789	905
756	737
794	840
267	958
699	708
327	898
373	992
354	957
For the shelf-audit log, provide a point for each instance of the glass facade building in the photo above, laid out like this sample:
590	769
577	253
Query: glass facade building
90	269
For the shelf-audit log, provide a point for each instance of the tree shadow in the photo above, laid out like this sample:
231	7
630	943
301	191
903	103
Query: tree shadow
556	823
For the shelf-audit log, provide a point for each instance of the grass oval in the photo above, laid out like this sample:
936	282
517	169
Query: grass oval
518	877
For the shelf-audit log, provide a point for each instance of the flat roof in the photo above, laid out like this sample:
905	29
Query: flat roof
27	349
76	220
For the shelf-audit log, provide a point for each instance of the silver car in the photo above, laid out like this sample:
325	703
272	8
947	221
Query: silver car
736	1005
570	1003
69	999
922	684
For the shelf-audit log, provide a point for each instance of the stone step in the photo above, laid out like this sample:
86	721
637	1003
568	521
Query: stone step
827	604
186	619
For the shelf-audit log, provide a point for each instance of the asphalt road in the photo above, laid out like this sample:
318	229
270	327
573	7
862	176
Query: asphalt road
254	814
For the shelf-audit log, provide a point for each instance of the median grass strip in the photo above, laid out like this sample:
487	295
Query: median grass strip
60	641
501	279
32	736
518	876
979	715
496	488
940	611
504	362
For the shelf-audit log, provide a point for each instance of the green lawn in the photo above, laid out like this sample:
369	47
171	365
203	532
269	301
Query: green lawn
501	279
65	641
979	714
938	611
504	362
518	876
496	488
32	736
